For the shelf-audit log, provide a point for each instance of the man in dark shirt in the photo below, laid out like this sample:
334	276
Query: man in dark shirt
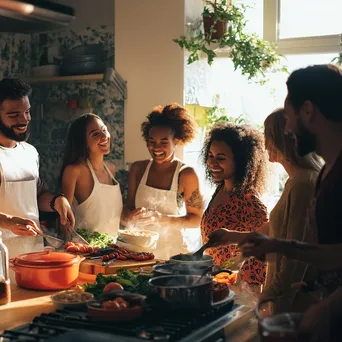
313	109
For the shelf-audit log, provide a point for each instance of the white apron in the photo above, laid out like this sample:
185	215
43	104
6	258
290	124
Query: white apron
171	241
101	211
19	198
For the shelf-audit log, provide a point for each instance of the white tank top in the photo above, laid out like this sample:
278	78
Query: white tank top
171	240
101	211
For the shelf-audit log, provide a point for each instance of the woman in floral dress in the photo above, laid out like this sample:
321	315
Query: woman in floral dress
236	161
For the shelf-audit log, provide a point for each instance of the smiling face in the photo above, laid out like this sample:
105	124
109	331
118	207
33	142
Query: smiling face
97	137
221	161
14	118
305	141
161	144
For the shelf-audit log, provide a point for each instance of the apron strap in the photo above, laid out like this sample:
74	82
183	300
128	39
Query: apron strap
147	171
174	185
92	172
110	174
2	179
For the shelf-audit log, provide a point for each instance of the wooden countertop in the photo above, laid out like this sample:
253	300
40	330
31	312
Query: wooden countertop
25	305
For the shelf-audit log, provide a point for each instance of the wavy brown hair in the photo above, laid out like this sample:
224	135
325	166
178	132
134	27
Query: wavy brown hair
247	144
175	117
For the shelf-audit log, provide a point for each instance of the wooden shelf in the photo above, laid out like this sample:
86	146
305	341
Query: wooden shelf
56	79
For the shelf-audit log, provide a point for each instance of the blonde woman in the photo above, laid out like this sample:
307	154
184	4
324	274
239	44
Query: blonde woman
287	219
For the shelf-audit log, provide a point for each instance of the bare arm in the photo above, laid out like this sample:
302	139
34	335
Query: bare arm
324	257
193	202
69	181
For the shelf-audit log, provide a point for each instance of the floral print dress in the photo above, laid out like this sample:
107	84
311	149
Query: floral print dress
243	212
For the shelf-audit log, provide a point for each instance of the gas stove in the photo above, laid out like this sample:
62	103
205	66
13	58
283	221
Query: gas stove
153	326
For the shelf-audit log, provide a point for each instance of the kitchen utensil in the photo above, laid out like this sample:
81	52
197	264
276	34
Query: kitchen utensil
183	291
78	238
277	328
46	270
53	241
206	260
199	254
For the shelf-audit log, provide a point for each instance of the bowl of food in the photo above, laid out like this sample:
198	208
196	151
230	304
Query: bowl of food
144	238
71	299
116	306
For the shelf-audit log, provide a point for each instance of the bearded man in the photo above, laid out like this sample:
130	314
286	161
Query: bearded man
22	193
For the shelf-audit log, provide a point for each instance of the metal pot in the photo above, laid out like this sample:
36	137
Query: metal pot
46	270
277	328
206	260
183	291
183	269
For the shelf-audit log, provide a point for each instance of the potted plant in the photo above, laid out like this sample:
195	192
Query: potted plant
252	55
215	19
338	60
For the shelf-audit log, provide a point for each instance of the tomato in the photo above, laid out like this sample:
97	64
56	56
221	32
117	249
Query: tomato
69	244
112	286
105	258
90	249
82	249
111	305
72	249
111	256
77	244
123	305
122	257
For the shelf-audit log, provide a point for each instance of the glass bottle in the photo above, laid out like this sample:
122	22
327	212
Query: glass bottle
5	287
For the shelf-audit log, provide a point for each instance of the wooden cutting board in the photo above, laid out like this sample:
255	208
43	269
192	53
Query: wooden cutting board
95	266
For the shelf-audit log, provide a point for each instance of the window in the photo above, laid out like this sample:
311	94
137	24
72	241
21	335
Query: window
308	35
307	18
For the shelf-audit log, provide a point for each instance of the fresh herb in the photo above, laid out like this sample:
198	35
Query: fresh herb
95	239
131	282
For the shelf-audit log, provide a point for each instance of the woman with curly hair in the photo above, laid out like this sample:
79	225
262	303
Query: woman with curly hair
160	188
236	162
288	217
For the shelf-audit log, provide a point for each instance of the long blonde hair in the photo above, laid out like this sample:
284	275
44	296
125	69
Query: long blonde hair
274	133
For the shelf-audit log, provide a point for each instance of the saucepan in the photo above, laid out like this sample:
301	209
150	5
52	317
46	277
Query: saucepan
183	292
185	259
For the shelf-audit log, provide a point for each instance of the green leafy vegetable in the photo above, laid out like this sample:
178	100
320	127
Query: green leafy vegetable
95	239
131	282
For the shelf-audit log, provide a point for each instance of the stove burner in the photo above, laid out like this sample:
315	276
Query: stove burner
155	325
154	334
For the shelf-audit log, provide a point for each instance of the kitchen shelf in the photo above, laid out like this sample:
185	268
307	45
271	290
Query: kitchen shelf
59	79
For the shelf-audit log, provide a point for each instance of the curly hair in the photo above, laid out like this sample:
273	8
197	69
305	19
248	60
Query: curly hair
13	89
175	117
247	144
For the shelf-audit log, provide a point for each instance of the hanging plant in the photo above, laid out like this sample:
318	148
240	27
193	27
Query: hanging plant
225	27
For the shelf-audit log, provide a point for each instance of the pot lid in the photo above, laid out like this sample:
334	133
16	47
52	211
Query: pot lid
47	259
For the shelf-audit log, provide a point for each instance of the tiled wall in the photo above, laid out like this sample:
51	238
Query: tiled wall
50	115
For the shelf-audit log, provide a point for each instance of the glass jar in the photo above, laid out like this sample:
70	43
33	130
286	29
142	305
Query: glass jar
5	286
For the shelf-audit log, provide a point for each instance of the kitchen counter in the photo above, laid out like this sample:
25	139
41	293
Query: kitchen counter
27	304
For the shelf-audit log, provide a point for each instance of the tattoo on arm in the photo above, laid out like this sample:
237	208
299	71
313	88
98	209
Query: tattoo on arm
195	200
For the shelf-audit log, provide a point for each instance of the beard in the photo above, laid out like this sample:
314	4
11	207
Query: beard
9	133
305	140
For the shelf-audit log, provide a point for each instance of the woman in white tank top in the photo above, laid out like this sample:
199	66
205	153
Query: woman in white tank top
87	182
163	193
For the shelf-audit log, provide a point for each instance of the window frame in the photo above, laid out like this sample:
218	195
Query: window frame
301	45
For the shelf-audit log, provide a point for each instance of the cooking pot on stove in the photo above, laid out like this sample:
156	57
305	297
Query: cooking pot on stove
46	270
279	327
183	269
185	259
